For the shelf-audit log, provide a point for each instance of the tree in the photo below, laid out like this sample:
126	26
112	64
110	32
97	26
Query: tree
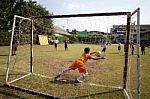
111	38
74	31
9	8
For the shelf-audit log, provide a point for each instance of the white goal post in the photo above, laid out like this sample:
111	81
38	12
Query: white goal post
17	25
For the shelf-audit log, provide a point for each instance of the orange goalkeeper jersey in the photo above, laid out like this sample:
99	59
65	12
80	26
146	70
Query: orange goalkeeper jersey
79	63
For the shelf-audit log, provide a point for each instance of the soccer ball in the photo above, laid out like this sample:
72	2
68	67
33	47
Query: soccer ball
98	54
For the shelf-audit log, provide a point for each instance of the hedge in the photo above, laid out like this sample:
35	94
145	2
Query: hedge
5	38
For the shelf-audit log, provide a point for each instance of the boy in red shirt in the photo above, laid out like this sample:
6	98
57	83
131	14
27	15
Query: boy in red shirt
80	65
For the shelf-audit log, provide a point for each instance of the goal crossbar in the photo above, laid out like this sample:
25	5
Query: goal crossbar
83	15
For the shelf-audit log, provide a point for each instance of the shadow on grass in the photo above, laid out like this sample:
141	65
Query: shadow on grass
1	75
62	81
8	93
99	94
113	53
3	55
129	54
15	74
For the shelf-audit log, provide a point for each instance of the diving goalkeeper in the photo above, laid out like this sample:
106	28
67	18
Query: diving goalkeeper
80	65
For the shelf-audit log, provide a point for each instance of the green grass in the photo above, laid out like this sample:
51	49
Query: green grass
49	62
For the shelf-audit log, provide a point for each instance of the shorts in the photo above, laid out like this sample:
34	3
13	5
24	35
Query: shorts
78	65
55	45
119	48
14	47
104	49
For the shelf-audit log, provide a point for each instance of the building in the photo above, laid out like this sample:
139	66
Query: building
120	30
96	33
145	37
90	37
60	31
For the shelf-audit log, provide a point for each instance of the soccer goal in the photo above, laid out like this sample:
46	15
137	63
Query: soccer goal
21	35
33	67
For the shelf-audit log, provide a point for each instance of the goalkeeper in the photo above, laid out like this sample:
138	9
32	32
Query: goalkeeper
80	65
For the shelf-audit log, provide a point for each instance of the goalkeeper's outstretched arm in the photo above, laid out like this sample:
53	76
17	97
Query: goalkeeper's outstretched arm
92	53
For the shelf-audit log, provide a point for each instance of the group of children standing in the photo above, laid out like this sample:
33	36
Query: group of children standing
119	48
132	48
56	44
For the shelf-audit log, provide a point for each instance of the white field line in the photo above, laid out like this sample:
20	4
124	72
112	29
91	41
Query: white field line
99	85
42	76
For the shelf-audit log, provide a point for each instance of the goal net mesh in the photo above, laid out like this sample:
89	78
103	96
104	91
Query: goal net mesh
132	67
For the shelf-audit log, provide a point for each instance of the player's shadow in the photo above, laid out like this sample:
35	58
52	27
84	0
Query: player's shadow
63	81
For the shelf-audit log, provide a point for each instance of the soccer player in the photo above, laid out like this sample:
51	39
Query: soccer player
80	65
119	47
56	43
66	45
143	49
104	47
14	45
132	49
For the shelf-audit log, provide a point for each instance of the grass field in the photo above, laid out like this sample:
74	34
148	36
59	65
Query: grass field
104	75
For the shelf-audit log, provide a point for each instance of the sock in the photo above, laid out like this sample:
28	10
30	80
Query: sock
63	72
82	75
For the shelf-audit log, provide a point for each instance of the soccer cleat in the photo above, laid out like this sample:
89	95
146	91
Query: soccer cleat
56	78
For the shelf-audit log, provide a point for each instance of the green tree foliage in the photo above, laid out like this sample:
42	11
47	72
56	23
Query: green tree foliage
111	37
5	13
5	38
74	31
9	8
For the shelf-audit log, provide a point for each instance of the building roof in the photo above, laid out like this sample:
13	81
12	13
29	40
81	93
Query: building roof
82	33
59	30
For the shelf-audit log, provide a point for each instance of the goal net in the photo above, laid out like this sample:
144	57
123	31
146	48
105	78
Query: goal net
19	54
133	81
34	66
